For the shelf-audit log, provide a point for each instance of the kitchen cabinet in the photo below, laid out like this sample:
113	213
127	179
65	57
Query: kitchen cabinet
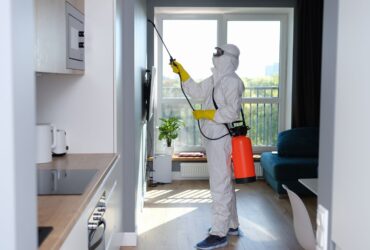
111	186
51	40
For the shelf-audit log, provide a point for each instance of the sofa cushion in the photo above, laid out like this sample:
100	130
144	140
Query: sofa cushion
299	142
288	168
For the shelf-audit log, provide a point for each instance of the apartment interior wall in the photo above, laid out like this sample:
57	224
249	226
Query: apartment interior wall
327	121
350	186
17	126
129	68
83	105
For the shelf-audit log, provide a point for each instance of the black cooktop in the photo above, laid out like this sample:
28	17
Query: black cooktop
63	182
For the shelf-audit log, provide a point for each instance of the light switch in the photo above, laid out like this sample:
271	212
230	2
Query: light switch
322	230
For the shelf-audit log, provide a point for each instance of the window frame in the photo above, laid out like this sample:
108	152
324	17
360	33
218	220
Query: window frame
223	15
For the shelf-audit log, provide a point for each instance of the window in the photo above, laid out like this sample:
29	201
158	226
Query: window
259	70
187	39
263	42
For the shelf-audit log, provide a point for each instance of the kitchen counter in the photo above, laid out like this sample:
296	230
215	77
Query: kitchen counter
62	211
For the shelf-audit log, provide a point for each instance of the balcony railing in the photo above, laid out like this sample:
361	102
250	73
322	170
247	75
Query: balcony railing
261	111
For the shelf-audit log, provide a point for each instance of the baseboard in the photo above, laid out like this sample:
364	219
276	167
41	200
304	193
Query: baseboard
176	175
127	238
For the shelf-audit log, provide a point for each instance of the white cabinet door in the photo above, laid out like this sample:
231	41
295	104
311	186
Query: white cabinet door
77	238
113	213
112	187
51	37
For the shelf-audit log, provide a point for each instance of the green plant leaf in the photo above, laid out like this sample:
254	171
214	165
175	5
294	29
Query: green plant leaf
169	128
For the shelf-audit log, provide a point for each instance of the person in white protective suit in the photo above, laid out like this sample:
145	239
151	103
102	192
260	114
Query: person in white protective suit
227	89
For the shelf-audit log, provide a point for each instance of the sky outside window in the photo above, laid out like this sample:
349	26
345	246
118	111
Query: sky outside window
259	44
191	42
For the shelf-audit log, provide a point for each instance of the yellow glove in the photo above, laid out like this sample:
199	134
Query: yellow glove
204	114
178	69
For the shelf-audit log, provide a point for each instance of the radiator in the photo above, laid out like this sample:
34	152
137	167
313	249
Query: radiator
199	170
194	170
258	169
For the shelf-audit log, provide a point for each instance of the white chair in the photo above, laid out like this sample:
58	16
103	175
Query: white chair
301	220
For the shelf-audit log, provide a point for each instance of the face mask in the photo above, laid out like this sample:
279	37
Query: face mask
216	62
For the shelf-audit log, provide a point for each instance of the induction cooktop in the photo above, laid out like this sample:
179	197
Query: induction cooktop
63	182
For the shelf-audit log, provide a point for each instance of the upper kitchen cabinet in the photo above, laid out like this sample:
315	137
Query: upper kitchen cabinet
60	36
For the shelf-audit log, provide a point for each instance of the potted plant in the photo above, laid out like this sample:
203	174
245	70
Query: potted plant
169	129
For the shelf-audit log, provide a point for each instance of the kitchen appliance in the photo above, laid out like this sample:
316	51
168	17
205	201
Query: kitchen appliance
75	38
45	133
64	181
60	148
96	226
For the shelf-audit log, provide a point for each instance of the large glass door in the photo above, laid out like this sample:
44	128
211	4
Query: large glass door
191	42
263	40
259	41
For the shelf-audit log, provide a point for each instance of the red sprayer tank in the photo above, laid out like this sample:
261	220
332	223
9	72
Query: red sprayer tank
242	156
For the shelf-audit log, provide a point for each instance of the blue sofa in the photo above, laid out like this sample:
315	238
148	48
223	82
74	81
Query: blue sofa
296	157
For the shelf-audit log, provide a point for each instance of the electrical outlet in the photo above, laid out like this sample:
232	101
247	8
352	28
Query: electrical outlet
322	228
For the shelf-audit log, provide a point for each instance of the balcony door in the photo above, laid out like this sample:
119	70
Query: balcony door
263	40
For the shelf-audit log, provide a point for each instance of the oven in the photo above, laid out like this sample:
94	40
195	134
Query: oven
97	226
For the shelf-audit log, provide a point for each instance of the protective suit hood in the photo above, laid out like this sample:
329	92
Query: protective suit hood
228	62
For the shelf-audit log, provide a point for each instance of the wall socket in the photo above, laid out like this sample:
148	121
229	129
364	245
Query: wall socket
322	230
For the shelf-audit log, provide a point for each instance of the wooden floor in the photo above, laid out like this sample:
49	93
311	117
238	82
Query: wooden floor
176	216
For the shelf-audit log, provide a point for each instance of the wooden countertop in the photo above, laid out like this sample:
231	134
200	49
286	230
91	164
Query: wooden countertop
62	211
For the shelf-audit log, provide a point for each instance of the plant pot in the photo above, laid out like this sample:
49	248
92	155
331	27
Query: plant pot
168	150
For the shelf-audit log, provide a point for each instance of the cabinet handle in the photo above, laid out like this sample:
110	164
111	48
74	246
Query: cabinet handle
81	34
81	45
98	242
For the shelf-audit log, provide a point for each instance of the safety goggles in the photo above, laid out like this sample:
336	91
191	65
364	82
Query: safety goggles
219	52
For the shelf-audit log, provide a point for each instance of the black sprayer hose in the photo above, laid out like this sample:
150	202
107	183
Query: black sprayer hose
172	61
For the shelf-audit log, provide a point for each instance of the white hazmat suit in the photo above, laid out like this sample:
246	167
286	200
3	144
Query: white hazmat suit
228	90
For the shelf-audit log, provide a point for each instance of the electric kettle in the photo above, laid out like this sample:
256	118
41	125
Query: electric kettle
50	141
45	139
60	147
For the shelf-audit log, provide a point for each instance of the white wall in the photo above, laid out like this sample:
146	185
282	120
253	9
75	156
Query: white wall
327	123
351	171
84	105
130	67
17	129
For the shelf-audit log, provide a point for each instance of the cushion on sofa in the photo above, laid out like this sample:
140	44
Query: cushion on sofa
299	142
288	168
